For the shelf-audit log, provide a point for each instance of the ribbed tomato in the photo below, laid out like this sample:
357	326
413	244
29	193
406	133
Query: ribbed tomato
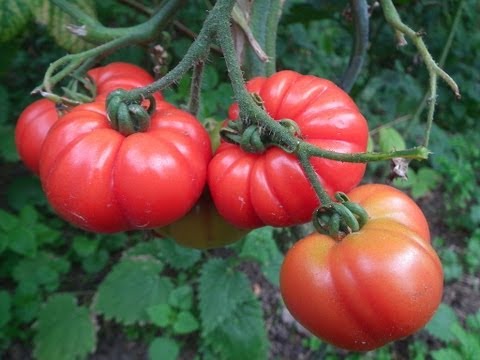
374	286
252	190
37	118
103	181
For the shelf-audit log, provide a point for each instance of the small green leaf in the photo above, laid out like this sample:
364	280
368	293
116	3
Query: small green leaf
447	354
221	290
185	323
14	16
472	255
131	288
181	297
7	220
442	322
22	241
163	348
160	314
96	262
8	149
426	180
84	246
178	257
260	246
469	342
4	241
390	140
5	305
152	248
64	330
25	190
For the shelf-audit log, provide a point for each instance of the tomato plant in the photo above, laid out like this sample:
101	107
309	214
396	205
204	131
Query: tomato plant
103	181
37	118
374	286
202	227
251	190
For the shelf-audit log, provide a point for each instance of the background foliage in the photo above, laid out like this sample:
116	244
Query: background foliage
59	285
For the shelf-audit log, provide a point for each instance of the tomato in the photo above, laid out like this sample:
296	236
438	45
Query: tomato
202	227
252	190
374	286
37	118
103	181
31	129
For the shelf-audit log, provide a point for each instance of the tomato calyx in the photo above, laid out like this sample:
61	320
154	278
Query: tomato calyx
338	219
128	117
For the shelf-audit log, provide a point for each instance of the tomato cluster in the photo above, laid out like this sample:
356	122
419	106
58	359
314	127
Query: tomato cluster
370	287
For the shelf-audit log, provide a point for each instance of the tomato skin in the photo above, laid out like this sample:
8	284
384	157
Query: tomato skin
374	286
102	181
202	228
32	127
36	119
253	190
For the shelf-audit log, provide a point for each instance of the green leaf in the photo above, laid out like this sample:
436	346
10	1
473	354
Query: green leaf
221	290
469	342
14	16
161	314
426	180
452	266
131	288
25	190
472	255
7	220
260	246
152	248
8	150
95	262
57	21
64	330
5	305
185	323
242	335
181	297
84	246
22	241
442	322
163	348
4	100
178	257
390	140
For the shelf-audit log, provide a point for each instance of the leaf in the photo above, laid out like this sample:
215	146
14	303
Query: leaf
151	248
14	16
181	297
161	314
447	354
5	304
7	138
426	180
163	348
25	190
390	140
472	255
441	323
7	220
242	335
4	100
260	246
22	241
185	323
56	22
178	257
221	290
96	262
131	288
469	342
84	246
64	330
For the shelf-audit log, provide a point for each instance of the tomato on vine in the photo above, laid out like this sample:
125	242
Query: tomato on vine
255	189
372	287
103	181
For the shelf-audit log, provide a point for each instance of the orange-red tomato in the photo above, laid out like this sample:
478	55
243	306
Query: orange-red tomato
374	286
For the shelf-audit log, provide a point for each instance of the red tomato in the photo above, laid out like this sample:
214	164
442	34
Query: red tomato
37	118
31	129
252	190
202	227
374	286
102	181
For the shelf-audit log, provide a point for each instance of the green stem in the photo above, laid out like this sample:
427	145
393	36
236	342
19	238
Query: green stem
271	35
196	86
313	178
360	43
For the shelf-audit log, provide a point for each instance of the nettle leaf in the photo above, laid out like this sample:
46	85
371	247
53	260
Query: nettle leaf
5	305
242	335
185	323
84	246
441	324
163	348
447	354
56	21
469	342
131	288
178	257
22	241
150	248
221	290
161	314
64	330
14	16
96	262
260	246
181	297
390	140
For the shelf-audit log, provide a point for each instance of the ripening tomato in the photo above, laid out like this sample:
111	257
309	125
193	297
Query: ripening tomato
252	190
37	118
103	181
374	286
202	227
